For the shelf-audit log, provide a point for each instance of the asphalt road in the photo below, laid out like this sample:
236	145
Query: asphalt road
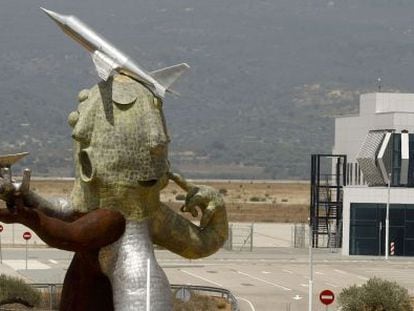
266	279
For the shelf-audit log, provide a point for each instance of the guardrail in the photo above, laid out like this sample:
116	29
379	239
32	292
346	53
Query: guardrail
219	292
51	293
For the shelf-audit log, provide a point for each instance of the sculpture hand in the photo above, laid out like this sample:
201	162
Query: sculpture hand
16	212
209	201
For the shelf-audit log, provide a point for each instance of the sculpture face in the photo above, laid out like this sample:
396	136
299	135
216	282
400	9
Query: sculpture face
121	143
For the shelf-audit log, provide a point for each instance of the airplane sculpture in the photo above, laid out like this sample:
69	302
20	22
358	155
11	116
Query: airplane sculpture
107	58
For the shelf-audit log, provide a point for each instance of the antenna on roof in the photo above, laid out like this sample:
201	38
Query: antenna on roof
379	84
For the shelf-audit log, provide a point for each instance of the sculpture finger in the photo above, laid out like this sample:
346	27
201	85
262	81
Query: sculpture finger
207	216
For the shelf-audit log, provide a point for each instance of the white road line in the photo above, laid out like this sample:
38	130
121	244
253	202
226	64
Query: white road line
340	271
20	264
53	261
304	285
200	277
248	301
330	284
264	281
266	272
287	271
320	273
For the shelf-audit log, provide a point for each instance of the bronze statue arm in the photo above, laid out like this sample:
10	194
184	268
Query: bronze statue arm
181	236
90	231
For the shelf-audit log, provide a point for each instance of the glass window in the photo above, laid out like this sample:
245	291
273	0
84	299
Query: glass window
365	247
411	160
409	212
409	229
409	247
396	159
397	216
366	211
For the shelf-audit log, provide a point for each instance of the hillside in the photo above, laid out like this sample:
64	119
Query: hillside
267	76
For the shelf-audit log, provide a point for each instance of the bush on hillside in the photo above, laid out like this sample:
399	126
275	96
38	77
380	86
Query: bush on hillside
375	295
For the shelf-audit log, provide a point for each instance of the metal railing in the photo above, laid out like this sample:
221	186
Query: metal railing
212	291
51	294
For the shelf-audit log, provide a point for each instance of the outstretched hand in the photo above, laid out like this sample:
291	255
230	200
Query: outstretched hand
15	212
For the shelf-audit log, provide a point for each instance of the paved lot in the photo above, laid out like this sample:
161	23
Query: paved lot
266	279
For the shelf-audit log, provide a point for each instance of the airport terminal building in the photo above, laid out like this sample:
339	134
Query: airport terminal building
378	144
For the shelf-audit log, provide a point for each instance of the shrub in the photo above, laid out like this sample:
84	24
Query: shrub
257	199
223	191
375	295
14	290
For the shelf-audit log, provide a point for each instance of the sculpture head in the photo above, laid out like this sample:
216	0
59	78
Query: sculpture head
121	145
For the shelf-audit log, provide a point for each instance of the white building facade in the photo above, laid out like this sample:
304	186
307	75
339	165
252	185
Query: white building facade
379	143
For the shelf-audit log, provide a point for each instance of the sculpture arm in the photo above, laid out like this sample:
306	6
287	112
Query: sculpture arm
89	231
181	236
58	208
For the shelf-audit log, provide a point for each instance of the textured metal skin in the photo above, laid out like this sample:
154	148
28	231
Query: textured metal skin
121	140
125	262
367	157
106	56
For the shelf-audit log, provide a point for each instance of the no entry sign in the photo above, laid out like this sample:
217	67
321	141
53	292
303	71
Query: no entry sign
1	228
326	297
27	235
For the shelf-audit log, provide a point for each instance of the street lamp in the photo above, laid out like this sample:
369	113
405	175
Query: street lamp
387	219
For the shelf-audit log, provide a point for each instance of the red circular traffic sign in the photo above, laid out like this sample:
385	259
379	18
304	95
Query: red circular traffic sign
27	235
1	228
326	297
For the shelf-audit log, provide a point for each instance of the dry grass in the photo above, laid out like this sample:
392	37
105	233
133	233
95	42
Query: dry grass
276	202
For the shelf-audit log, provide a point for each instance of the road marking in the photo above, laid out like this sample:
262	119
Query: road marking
330	284
200	277
53	261
340	271
20	264
248	301
287	271
262	280
320	273
266	272
304	285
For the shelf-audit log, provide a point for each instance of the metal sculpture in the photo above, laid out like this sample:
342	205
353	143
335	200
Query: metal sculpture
121	163
108	59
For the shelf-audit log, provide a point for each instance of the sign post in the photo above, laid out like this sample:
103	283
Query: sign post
326	297
1	255
27	236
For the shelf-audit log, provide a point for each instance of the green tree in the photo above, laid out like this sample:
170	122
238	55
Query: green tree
375	295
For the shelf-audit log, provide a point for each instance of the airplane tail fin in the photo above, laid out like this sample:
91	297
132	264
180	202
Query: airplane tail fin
168	75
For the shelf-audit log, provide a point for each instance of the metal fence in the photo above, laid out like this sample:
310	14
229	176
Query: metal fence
51	294
211	291
300	236
240	237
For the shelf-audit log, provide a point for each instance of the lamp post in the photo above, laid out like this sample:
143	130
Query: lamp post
310	287
387	219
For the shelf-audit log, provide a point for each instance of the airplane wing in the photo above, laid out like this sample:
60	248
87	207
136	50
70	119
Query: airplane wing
168	75
104	65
